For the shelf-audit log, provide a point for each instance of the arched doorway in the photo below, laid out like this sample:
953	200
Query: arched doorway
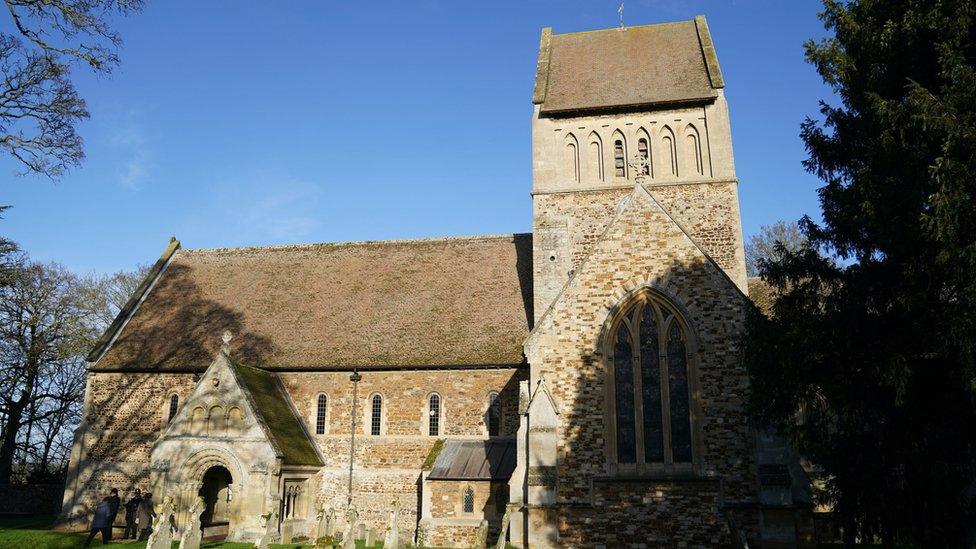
216	492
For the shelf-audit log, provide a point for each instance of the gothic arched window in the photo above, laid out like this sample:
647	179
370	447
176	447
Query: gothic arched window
320	410
643	152
494	415
174	402
651	389
619	158
376	419
434	415
468	503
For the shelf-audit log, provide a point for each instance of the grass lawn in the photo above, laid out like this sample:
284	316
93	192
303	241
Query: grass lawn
35	533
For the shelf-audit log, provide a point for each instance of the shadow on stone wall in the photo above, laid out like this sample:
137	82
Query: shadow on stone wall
177	334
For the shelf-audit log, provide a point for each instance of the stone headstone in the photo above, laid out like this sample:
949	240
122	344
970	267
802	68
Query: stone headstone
287	531
192	534
361	531
371	538
349	536
162	534
269	529
481	535
392	538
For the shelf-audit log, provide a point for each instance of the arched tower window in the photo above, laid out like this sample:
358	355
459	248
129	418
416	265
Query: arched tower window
376	418
619	155
572	157
693	153
651	389
669	152
434	415
468	503
644	151
215	420
594	159
320	409
174	404
494	415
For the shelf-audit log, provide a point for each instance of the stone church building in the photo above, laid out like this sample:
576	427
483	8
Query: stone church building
582	378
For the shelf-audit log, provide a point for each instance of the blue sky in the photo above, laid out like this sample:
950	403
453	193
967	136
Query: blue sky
232	123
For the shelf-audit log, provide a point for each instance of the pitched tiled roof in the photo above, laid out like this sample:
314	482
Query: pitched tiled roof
475	460
438	302
613	68
270	401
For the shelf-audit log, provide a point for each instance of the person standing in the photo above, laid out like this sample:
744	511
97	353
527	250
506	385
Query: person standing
113	507
131	507
101	523
145	515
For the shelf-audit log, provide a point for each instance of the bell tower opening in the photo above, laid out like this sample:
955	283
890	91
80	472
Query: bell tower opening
216	492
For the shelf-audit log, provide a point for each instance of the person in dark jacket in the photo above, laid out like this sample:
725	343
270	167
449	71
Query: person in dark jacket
131	507
145	514
113	507
101	523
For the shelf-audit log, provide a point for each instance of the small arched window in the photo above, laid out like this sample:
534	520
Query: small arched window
434	415
216	423
468	503
669	152
651	389
572	157
320	409
494	415
174	403
693	152
376	418
619	158
643	152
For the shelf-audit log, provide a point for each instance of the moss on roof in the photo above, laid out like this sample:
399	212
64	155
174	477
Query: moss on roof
271	404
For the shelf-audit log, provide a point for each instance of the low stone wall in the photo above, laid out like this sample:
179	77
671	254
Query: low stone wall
31	499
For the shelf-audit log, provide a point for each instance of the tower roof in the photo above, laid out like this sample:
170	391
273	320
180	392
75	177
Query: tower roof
630	67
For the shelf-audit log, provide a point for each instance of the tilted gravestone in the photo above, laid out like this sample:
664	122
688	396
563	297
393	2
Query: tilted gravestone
192	535
162	534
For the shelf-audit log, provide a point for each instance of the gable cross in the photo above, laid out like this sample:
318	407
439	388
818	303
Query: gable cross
640	165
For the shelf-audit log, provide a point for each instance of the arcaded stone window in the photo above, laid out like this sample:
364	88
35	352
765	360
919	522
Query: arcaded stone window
494	415
376	418
468	502
651	408
643	152
320	409
174	403
619	162
434	415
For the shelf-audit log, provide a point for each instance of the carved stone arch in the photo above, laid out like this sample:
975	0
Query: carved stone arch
669	152
623	297
692	156
646	149
595	157
200	461
571	161
618	147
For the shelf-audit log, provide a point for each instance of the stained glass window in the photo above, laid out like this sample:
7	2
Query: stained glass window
376	422
320	415
434	411
623	372
651	386
680	405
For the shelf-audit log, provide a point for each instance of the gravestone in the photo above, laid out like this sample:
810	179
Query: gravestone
192	535
349	536
269	527
361	531
506	520
371	538
481	535
287	531
392	539
162	534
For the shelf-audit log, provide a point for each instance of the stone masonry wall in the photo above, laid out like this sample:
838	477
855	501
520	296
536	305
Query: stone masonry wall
644	249
459	528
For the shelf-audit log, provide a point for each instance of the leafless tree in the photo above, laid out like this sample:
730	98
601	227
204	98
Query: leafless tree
763	245
39	105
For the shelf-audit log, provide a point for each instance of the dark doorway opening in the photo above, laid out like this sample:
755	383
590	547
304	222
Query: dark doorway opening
216	492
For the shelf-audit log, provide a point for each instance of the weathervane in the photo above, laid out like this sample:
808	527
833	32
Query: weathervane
620	10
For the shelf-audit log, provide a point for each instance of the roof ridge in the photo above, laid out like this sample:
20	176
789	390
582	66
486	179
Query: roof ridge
627	27
314	245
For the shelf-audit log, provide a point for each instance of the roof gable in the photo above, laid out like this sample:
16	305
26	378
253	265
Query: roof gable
634	66
454	301
261	397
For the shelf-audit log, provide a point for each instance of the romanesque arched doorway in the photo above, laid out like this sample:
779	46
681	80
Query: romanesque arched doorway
216	491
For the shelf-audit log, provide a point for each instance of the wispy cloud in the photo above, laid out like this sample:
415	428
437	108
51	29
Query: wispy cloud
282	209
130	146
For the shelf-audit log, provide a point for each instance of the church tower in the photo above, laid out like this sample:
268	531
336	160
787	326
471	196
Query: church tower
604	98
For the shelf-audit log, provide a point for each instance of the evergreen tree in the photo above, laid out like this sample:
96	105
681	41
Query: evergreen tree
866	360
